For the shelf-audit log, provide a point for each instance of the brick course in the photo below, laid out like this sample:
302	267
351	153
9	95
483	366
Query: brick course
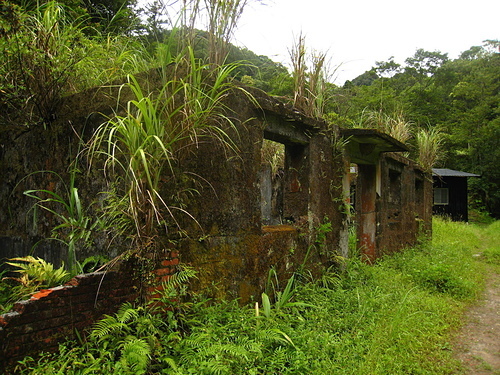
53	315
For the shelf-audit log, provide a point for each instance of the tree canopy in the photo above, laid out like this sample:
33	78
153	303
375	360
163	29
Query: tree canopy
460	98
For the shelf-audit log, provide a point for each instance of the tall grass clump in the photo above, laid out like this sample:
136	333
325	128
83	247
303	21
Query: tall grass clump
310	73
141	149
429	146
223	17
395	124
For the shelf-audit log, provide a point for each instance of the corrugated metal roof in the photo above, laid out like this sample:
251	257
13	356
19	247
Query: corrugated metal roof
443	172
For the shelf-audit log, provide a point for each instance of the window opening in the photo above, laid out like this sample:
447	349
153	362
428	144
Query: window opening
441	196
394	188
271	182
351	206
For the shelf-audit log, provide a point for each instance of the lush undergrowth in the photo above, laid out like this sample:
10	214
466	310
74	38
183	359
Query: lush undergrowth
396	317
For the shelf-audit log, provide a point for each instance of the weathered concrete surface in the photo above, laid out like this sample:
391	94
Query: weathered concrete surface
38	157
405	207
229	245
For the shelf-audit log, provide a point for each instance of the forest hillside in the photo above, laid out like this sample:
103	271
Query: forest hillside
52	49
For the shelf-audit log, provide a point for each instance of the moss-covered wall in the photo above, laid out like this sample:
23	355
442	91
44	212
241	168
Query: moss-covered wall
404	209
229	246
221	221
39	157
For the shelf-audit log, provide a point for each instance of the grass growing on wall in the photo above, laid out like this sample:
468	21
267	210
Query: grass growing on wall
396	317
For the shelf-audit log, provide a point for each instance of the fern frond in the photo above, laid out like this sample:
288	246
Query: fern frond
233	350
181	277
128	313
217	367
136	354
107	325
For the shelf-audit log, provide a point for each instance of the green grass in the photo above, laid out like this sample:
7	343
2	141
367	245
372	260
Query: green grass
399	316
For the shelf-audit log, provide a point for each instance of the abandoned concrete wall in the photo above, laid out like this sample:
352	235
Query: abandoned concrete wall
54	315
222	235
404	209
39	157
393	195
232	250
225	219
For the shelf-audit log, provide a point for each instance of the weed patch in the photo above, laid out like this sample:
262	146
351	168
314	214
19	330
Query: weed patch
395	317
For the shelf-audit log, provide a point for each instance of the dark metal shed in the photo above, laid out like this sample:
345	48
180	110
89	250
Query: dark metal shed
450	193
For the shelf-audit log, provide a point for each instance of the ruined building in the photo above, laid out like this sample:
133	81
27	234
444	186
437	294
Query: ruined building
249	217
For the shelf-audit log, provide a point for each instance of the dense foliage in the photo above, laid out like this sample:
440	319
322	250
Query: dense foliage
51	49
397	317
460	98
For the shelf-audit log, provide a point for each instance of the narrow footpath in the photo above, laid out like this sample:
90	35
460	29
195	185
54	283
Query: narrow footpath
478	345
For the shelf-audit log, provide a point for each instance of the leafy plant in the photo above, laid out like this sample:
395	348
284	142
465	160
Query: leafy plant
34	274
93	263
75	226
39	62
131	334
282	298
7	293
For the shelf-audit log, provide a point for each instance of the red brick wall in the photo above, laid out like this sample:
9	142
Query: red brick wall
52	315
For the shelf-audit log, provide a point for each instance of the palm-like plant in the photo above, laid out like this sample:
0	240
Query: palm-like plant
74	225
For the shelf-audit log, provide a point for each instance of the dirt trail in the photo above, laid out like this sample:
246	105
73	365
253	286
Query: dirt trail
478	345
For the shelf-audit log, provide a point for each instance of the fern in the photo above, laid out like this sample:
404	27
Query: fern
128	313
135	354
106	326
216	367
36	272
178	280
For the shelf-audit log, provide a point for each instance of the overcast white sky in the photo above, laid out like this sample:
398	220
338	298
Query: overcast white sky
356	33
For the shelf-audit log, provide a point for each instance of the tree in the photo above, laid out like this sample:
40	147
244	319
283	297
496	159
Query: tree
104	16
459	97
387	68
425	63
